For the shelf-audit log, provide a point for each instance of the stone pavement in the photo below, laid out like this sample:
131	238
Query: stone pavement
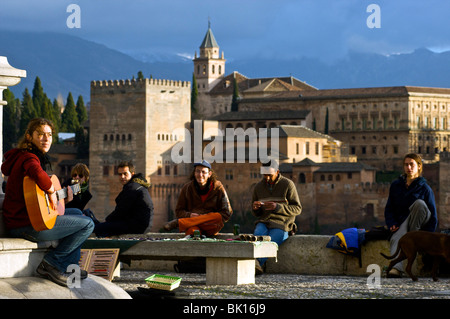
289	286
92	287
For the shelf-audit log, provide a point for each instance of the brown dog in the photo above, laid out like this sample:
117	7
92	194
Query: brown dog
433	244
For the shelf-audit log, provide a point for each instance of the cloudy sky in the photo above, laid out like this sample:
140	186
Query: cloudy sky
284	29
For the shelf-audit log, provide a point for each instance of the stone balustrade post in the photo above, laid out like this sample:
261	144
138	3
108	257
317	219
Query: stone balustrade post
9	76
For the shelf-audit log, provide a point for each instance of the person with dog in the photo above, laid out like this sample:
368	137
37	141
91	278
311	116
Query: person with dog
70	230
410	206
275	203
203	204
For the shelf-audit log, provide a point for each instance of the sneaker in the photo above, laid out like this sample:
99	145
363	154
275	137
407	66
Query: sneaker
48	271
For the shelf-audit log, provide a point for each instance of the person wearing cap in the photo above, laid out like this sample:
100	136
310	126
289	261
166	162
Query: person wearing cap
203	204
275	204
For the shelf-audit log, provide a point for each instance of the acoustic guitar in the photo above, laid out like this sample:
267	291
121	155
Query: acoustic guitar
40	212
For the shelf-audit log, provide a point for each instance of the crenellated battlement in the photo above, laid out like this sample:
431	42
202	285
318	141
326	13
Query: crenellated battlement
123	84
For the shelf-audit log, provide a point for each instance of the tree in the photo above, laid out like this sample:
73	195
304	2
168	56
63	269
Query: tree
39	97
10	116
28	112
56	106
194	94
326	123
140	75
81	110
82	143
69	118
43	104
234	101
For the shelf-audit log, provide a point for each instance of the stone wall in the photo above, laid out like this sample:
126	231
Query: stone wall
137	120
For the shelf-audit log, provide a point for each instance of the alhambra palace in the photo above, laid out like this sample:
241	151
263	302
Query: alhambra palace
337	145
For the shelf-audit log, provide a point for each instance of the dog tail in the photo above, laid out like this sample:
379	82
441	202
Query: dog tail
393	256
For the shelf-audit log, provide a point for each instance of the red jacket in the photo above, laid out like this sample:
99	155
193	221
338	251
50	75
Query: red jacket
17	165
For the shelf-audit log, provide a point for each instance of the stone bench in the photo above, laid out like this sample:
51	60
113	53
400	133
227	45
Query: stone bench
304	255
227	262
307	254
20	257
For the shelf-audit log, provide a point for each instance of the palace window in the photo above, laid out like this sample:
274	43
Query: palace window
301	178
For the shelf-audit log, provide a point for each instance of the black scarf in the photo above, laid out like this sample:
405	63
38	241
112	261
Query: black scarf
44	159
205	190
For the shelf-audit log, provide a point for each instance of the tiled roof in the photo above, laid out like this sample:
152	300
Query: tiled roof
301	131
391	91
257	115
225	85
209	41
336	167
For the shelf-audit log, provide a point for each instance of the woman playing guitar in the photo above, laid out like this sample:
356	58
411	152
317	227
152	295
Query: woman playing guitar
30	160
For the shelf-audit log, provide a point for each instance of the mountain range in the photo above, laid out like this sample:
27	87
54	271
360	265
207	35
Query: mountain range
66	63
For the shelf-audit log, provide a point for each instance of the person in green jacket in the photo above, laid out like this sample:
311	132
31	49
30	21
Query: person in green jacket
275	203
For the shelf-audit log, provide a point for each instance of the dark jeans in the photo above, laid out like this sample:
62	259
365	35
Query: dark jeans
71	230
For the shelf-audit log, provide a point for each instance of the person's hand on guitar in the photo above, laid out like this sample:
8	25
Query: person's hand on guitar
52	197
69	197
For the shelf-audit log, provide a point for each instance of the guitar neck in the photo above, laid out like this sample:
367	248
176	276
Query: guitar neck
62	193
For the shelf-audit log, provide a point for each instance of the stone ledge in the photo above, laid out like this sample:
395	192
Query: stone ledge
7	244
92	287
303	254
307	254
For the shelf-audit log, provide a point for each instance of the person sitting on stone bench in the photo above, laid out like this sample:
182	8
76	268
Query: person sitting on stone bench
80	175
134	207
275	204
410	206
30	159
203	204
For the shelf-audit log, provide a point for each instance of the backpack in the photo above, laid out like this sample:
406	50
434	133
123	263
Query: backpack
348	242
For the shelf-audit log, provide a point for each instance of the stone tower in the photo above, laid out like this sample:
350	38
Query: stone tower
137	120
209	68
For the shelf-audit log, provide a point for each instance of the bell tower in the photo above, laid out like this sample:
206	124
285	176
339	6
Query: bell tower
209	67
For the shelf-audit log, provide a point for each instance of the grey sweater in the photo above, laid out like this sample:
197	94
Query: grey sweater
284	193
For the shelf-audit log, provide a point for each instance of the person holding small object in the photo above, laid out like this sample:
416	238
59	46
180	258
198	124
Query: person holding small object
203	204
275	203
